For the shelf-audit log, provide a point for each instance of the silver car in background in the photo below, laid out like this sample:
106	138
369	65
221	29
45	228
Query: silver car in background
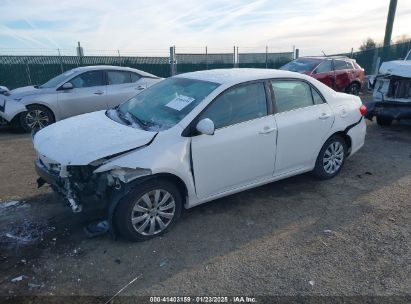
77	91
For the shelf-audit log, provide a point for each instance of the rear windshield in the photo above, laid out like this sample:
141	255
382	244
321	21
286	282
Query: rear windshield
301	65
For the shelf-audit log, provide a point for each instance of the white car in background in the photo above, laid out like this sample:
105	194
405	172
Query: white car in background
196	137
77	91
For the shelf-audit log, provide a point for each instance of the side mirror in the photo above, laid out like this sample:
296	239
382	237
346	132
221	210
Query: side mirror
67	86
206	126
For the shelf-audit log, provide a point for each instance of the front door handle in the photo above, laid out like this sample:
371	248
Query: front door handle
140	88
267	130
324	116
98	92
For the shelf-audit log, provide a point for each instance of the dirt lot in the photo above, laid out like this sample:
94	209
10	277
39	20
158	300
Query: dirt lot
347	236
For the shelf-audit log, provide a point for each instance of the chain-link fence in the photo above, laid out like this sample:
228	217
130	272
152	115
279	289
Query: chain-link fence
21	70
370	60
17	71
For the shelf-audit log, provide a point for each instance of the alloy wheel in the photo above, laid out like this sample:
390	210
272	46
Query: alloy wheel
37	119
333	157
153	212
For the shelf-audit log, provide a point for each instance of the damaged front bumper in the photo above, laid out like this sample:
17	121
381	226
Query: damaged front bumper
74	184
9	108
389	109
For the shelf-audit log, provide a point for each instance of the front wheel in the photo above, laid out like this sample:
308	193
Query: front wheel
36	117
148	211
331	158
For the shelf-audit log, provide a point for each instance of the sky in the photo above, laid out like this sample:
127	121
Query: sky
151	27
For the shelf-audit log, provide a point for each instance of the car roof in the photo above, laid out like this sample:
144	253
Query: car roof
112	67
238	75
326	57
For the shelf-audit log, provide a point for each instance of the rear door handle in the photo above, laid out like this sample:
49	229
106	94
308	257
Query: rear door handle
139	88
267	130
324	116
98	92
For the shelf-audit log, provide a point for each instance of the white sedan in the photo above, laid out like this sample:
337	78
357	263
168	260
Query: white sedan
196	137
77	91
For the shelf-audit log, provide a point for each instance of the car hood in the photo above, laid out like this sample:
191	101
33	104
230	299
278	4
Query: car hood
397	68
83	139
26	91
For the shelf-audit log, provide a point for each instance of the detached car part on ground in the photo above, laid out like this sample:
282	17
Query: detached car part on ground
196	137
77	91
340	73
391	92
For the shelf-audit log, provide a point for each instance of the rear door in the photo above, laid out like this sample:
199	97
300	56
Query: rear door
303	120
342	75
122	85
88	94
325	73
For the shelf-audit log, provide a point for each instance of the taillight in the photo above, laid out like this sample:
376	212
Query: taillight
363	110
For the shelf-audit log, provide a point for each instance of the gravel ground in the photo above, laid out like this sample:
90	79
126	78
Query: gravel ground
349	236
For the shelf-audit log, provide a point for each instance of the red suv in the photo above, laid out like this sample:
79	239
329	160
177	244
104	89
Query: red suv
339	73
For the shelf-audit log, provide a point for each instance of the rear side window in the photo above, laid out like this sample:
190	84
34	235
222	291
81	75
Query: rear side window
239	104
324	67
118	77
340	65
317	99
349	65
294	94
88	79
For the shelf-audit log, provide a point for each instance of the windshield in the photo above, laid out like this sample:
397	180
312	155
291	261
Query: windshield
301	65
408	57
166	103
53	82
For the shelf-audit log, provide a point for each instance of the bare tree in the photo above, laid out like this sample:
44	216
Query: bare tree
368	44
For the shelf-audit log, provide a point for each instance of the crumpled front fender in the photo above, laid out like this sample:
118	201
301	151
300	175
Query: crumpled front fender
9	108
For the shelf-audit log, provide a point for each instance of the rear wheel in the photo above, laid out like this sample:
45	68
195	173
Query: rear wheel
148	211
331	158
353	89
36	117
384	121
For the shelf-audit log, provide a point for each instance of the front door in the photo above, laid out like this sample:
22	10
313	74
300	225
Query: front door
88	95
325	73
242	149
304	120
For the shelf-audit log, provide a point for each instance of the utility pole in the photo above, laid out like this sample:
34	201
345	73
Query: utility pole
173	69
389	26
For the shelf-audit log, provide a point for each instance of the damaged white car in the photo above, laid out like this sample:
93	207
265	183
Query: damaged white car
197	137
391	92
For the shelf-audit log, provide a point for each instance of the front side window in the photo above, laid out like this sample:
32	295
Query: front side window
324	67
88	79
52	83
236	105
293	94
164	104
118	77
134	77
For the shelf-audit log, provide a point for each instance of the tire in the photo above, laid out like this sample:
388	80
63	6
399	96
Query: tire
384	121
36	117
134	207
353	89
328	169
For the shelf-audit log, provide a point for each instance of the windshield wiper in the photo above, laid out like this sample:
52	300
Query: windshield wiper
139	121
